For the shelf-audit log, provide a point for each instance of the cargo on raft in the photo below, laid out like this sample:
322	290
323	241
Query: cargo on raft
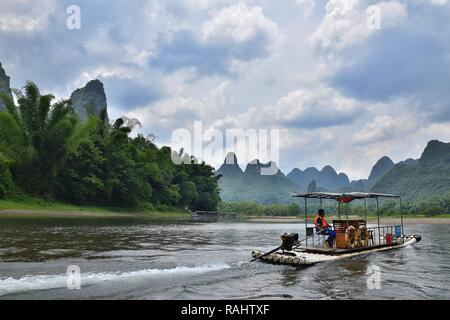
353	237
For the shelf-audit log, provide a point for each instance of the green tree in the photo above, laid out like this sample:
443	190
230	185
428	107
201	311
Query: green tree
6	182
38	144
46	151
81	180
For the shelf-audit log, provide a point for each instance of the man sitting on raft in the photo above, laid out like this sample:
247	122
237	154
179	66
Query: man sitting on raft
324	228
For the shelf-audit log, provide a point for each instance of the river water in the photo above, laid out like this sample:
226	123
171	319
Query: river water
132	259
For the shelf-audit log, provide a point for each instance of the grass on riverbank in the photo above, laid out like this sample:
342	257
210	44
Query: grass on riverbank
32	207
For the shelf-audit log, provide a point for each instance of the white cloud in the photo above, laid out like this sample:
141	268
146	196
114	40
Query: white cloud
382	128
302	108
439	2
101	42
316	107
180	110
136	56
198	4
385	127
25	15
345	22
240	24
393	13
307	6
233	36
106	72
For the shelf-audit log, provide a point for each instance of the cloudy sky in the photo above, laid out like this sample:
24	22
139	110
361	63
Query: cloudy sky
342	89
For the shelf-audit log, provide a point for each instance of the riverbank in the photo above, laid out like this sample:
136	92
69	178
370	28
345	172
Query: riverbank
36	208
31	208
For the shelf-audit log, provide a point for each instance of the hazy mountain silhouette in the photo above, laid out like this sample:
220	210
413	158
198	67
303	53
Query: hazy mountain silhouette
252	186
418	179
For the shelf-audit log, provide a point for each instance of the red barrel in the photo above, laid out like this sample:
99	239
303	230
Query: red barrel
388	238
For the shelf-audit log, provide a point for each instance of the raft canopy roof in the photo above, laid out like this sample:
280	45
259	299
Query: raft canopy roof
344	197
347	198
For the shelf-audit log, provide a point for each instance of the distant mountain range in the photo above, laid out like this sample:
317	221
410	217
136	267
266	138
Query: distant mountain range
250	186
413	179
419	179
327	178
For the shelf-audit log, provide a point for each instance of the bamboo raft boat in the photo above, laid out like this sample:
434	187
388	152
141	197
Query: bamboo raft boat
301	257
353	237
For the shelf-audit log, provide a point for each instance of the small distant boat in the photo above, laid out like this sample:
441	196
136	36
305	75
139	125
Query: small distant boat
205	213
353	237
205	216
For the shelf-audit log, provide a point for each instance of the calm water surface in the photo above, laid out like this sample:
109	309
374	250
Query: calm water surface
122	259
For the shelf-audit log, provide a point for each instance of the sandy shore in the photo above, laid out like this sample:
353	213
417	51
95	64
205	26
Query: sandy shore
384	221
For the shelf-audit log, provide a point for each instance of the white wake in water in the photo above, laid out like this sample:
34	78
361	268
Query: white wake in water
46	282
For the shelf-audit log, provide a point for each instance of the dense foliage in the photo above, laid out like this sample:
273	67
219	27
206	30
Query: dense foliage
46	151
438	205
6	183
34	137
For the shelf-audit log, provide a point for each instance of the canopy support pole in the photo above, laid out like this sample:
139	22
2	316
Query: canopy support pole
346	212
339	210
379	233
365	211
306	220
401	217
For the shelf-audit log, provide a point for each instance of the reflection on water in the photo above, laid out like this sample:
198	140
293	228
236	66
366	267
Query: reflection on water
130	259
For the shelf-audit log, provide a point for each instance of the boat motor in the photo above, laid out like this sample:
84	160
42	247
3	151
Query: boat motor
288	241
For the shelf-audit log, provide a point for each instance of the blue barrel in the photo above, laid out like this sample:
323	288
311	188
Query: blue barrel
398	231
